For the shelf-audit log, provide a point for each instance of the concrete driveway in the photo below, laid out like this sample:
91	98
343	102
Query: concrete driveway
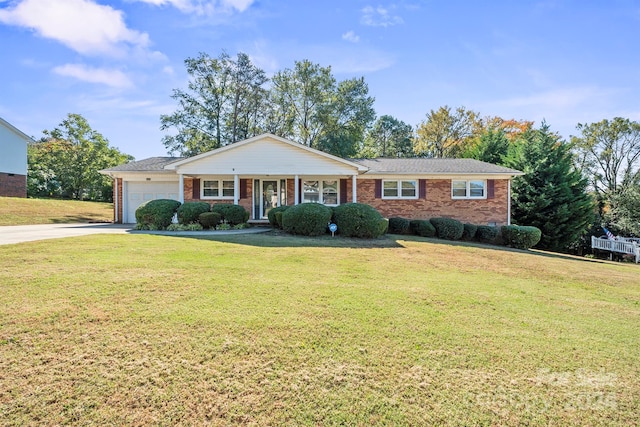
27	233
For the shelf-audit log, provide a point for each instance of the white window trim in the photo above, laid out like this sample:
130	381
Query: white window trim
321	190
220	189
468	189
399	188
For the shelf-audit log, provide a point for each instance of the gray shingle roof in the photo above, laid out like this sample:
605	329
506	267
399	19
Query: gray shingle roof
145	165
432	166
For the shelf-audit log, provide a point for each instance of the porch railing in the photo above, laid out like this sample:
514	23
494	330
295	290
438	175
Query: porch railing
627	246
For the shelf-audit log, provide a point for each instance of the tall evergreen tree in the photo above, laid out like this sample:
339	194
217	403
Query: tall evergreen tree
552	194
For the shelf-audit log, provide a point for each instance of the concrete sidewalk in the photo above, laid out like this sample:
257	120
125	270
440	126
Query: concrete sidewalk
28	233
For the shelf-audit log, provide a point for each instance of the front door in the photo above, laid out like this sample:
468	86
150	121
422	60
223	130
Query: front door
272	193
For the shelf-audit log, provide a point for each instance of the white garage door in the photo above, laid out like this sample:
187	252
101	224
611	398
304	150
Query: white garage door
139	192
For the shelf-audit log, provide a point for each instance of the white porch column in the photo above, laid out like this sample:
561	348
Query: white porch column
296	187
181	189
115	200
354	189
236	189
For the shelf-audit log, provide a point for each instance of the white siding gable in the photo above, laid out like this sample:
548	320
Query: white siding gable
266	156
13	150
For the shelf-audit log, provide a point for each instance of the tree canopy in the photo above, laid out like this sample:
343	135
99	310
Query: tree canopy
66	160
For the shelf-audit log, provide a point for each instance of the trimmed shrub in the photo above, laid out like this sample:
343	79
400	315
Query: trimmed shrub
232	214
278	219
307	219
520	237
271	215
399	225
359	220
447	228
209	219
470	231
190	211
156	214
487	233
423	228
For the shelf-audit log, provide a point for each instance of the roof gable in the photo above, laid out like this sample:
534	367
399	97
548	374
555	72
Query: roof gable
23	136
266	154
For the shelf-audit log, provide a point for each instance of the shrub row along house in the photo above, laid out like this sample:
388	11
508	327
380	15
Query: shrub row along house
267	171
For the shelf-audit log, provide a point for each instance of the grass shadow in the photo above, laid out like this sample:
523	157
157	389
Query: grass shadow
279	239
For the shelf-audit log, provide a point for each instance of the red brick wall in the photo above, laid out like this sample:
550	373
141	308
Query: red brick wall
438	203
13	185
245	202
117	185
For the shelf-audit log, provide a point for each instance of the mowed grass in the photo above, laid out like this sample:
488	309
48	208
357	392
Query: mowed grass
275	330
20	211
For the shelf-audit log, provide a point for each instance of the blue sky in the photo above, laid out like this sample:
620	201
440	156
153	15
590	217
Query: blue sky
116	62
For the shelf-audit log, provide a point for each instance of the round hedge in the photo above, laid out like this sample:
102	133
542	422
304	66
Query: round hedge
156	213
232	214
399	225
448	228
470	231
209	219
307	219
271	215
487	233
190	211
423	228
359	220
520	237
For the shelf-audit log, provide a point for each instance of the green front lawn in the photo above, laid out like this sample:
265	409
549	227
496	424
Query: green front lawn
276	330
19	211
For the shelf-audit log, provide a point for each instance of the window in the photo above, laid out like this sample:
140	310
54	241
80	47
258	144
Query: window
217	189
399	189
476	189
325	192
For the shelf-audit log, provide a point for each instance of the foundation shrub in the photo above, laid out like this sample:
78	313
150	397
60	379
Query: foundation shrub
423	228
359	220
306	219
156	214
487	234
399	225
520	237
447	228
271	215
232	214
189	212
469	231
209	219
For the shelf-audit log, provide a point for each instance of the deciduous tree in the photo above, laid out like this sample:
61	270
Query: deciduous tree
66	161
388	137
444	133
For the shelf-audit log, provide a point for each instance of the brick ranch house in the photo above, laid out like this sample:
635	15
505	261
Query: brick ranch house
268	171
13	160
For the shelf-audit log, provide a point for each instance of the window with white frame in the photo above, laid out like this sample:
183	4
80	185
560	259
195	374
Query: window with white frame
217	188
472	189
325	192
407	189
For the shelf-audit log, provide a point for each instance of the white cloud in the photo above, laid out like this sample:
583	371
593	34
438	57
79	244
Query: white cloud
83	25
113	78
379	17
351	36
204	7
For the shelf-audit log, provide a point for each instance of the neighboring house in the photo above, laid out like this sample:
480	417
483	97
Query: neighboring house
13	161
268	171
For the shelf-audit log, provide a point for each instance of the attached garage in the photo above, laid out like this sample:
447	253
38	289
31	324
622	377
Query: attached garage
140	192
